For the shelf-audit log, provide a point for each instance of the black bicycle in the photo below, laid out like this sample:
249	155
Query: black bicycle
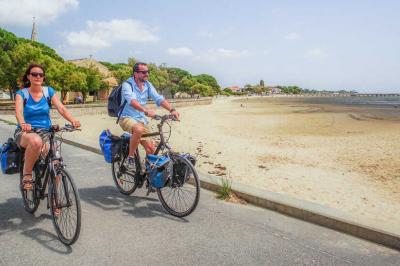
181	191
62	195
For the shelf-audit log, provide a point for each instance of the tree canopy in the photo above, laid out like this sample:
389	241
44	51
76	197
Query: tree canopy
17	53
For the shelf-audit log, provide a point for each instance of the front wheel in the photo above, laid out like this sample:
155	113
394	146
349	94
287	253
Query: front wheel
181	193
65	207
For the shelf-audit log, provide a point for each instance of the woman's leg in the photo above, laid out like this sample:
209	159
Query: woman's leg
33	145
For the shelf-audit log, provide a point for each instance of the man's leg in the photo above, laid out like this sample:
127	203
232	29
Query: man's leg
137	132
148	145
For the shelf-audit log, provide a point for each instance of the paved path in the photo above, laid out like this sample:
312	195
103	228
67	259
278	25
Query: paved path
135	230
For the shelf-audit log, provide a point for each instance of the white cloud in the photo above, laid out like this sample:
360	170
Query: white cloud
181	51
316	53
103	34
20	12
292	36
221	53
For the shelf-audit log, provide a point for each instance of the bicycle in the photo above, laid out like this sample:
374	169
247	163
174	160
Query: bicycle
62	195
181	192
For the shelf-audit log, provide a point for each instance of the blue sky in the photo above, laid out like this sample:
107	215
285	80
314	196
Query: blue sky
312	44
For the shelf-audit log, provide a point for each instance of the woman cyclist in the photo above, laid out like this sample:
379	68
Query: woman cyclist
32	110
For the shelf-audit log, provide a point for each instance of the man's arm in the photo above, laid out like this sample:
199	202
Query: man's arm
169	107
161	101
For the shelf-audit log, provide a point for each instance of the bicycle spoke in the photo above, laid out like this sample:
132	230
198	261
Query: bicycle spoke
181	196
66	213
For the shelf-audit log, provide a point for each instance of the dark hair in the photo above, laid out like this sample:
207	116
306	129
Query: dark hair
25	79
136	66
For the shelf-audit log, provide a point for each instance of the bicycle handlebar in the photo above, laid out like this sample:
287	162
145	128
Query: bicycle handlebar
165	117
54	129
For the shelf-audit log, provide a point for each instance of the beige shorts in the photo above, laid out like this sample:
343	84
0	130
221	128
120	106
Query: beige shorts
127	124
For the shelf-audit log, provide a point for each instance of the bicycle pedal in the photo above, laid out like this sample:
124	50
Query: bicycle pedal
150	190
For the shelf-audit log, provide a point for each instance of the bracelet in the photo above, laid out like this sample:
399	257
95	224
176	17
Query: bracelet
172	109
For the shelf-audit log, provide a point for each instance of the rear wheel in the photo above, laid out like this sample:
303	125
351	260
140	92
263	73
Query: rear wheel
124	176
30	198
181	193
65	207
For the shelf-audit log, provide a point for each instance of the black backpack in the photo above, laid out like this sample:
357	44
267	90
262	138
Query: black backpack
114	106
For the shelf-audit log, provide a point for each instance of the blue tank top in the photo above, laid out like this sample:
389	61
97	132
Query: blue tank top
37	113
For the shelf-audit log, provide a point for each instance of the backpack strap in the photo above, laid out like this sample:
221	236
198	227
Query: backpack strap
25	96
47	95
45	90
125	102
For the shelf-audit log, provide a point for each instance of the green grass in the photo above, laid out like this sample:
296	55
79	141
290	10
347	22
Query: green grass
225	190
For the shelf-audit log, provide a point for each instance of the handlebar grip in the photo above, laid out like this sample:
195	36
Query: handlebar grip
157	117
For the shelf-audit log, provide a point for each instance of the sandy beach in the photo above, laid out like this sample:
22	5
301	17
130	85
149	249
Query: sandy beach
343	156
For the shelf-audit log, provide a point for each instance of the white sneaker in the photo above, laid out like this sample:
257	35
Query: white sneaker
131	164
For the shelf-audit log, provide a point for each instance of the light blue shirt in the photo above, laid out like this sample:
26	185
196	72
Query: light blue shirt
130	93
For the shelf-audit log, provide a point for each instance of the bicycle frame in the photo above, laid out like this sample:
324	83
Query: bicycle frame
160	146
48	172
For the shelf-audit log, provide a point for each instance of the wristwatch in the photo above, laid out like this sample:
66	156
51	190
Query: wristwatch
172	109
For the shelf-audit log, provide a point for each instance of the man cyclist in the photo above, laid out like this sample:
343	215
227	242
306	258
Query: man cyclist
136	90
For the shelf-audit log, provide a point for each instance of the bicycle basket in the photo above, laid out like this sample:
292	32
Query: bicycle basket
159	168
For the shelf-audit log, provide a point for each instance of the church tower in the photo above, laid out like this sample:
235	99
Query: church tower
34	33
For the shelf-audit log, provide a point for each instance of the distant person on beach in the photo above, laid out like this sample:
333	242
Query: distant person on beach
79	99
136	90
32	110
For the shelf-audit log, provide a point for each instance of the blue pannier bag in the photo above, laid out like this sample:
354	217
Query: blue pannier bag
10	156
159	168
110	146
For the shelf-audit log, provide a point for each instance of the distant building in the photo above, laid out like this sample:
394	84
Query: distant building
235	88
4	95
274	89
107	78
34	32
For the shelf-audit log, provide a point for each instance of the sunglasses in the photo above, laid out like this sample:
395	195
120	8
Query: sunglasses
143	71
34	74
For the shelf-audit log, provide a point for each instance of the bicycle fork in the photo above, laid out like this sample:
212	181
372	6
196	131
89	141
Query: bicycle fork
56	182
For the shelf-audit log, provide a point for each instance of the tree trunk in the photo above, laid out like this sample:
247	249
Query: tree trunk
10	93
84	95
63	95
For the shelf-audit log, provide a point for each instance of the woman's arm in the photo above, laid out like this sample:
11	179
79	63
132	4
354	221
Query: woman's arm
19	109
19	113
64	111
